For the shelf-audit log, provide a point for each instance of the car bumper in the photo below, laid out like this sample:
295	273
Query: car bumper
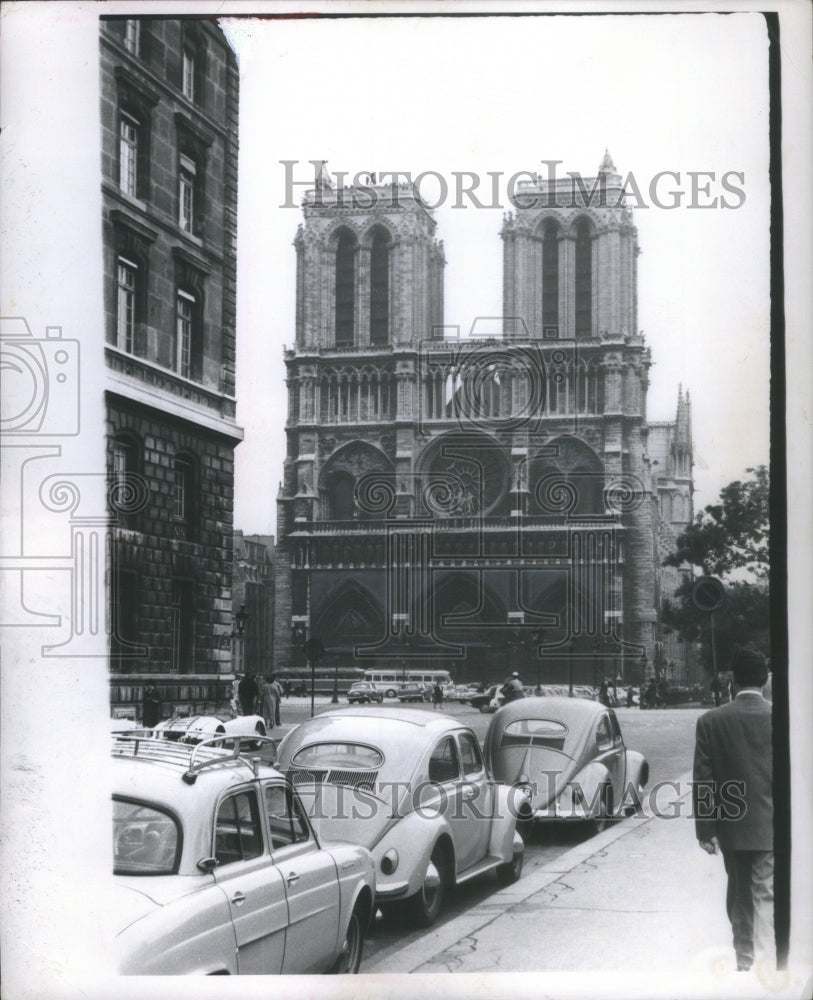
393	890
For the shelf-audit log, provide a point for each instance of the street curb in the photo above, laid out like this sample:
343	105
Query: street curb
413	956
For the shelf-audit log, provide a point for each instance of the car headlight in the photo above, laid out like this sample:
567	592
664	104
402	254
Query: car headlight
389	862
525	807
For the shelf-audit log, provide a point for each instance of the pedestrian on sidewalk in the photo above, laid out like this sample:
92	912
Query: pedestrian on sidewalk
275	684
151	706
733	804
437	695
247	691
270	703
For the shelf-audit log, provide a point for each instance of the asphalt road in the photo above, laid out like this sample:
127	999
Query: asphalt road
664	736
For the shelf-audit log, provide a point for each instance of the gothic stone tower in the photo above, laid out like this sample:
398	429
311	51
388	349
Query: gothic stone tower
472	503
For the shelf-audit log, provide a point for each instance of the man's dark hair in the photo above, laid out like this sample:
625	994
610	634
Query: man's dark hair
749	668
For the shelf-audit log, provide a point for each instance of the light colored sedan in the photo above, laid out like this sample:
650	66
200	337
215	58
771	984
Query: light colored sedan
568	757
412	786
218	871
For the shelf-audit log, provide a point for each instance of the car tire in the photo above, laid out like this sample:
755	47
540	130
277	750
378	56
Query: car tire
349	961
598	824
423	908
391	693
484	709
510	872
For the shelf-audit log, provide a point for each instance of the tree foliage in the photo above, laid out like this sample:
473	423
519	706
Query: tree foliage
731	535
728	539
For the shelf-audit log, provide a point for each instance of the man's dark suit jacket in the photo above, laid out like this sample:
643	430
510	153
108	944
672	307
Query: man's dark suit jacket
733	744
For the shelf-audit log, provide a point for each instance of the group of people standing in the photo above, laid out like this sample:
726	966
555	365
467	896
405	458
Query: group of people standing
265	702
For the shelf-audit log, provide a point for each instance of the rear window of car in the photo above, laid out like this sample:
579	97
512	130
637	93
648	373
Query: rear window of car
534	732
146	839
356	756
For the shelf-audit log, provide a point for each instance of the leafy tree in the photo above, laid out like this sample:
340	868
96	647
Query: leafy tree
732	534
729	540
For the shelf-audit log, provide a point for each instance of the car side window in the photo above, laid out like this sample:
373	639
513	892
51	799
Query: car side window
470	755
286	824
604	738
615	730
444	764
238	833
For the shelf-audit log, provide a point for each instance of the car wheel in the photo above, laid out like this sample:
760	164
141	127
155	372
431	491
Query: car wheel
599	822
350	959
508	873
484	709
391	693
425	905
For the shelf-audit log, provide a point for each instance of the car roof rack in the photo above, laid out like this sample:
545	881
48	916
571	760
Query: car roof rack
172	751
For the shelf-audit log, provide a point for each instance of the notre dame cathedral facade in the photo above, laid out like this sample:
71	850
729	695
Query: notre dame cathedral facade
483	502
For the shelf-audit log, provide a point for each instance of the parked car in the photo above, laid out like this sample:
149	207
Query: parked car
362	692
412	786
568	757
414	691
219	872
194	728
489	700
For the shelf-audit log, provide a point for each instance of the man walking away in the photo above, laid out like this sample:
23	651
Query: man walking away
270	703
733	804
278	688
437	695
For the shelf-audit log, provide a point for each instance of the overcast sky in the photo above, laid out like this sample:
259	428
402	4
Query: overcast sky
683	93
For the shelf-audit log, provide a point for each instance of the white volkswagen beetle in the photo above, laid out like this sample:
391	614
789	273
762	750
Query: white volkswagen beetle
411	785
218	872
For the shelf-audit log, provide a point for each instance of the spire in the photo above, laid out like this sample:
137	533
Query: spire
607	165
683	431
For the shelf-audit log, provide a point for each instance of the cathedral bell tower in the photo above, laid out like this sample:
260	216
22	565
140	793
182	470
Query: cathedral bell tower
369	289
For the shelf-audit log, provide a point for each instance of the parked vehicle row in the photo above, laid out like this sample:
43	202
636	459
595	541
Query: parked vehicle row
227	865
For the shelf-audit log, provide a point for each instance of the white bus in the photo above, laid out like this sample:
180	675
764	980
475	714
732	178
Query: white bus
390	681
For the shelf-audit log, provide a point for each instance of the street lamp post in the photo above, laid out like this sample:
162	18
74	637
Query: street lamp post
335	699
596	648
538	637
238	631
570	647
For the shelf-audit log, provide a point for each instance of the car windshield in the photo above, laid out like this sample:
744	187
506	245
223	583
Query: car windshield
145	839
348	756
534	732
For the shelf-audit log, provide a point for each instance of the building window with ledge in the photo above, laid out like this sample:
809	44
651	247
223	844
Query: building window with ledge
183	626
129	128
184	332
132	35
345	289
127	493
126	316
187	180
188	79
183	495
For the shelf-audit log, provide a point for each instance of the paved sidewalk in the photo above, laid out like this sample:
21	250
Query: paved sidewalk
640	897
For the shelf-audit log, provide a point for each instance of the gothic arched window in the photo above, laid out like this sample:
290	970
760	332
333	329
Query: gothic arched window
584	280
380	288
345	289
550	275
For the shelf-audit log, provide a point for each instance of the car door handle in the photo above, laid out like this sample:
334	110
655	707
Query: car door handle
292	878
238	898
